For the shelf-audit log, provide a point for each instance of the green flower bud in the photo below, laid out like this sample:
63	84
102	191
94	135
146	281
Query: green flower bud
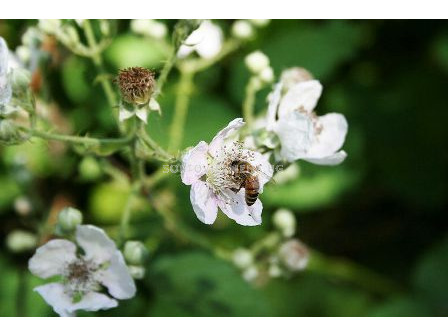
20	81
242	258
135	252
137	272
68	219
19	241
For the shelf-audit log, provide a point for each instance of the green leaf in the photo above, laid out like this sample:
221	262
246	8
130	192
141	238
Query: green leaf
197	284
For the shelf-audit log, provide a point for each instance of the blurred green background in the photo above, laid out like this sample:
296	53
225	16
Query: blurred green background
381	212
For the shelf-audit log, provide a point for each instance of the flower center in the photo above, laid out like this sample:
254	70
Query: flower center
80	276
221	174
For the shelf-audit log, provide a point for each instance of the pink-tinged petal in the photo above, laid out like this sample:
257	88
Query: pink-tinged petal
262	165
330	160
303	95
54	294
274	100
204	202
194	163
331	137
235	207
51	258
218	140
296	134
117	278
95	243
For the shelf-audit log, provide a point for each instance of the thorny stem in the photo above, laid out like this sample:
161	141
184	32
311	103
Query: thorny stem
98	61
184	92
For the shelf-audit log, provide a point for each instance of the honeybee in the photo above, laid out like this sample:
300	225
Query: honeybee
246	175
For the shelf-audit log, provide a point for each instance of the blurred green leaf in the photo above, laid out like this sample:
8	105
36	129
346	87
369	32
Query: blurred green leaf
197	284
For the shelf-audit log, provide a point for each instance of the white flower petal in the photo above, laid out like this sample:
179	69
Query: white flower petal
54	294
218	140
184	51
93	301
125	114
331	138
274	100
51	258
330	160
95	243
296	134
142	114
302	95
235	207
117	278
194	163
5	86
204	202
264	168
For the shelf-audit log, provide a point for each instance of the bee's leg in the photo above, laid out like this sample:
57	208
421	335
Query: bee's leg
236	190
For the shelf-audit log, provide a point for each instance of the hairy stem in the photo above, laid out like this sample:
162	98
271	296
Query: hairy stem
76	140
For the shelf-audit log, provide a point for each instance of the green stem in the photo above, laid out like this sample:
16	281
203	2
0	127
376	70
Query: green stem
98	61
76	140
165	72
249	101
184	92
153	145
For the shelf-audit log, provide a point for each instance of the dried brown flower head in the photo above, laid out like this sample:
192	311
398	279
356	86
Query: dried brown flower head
136	85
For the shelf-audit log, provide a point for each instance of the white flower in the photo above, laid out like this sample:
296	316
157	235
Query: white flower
251	274
206	41
214	184
5	74
82	274
294	255
303	134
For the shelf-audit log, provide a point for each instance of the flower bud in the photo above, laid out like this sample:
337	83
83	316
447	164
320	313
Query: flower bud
68	219
23	206
242	258
137	272
293	76
285	221
267	75
260	22
250	274
256	62
135	252
242	29
20	81
136	85
288	174
19	241
274	270
150	28
294	255
23	53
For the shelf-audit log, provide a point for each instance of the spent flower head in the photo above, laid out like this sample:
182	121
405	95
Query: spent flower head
136	85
